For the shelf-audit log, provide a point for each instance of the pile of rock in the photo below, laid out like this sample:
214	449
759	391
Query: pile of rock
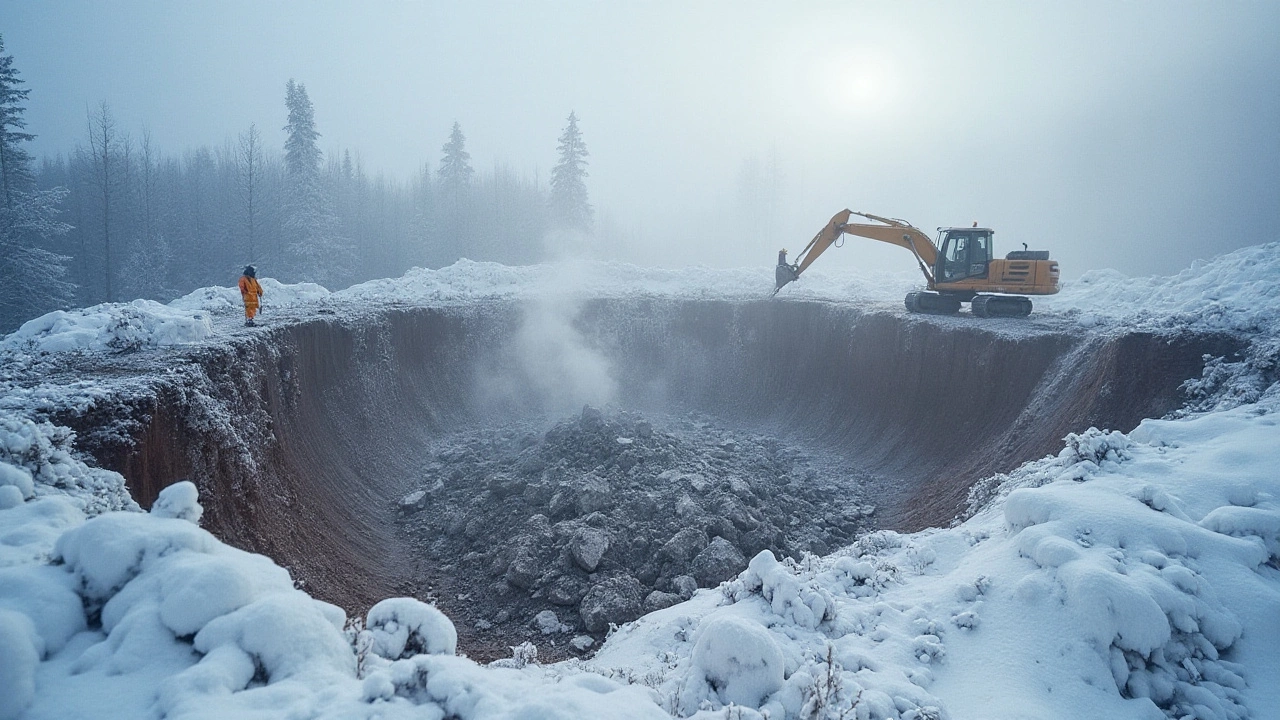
606	517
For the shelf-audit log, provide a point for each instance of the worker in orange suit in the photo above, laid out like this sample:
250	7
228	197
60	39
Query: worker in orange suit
250	292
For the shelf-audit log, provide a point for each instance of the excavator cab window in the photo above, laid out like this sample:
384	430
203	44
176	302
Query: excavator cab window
965	254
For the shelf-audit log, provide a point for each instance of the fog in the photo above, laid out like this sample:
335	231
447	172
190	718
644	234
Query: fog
1138	135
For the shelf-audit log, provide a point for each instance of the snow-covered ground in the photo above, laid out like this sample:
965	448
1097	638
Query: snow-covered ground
1130	576
1232	292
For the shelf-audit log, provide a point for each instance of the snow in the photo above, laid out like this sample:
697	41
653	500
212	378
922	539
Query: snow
404	627
44	453
20	657
130	326
110	326
1129	576
1230	292
734	660
1236	291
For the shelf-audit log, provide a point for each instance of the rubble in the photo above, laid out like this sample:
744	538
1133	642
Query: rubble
607	515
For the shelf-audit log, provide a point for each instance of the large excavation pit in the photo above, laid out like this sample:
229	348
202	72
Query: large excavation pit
446	453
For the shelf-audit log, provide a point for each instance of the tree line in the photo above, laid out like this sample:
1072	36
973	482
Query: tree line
117	218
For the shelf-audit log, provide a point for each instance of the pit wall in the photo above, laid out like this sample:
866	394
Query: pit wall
302	437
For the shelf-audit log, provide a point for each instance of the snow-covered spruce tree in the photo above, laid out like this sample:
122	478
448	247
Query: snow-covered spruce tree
15	161
316	251
32	278
455	166
454	200
570	209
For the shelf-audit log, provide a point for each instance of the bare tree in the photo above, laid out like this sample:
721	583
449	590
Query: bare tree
148	186
104	142
249	169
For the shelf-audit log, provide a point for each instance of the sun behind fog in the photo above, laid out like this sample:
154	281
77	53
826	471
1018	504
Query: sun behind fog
858	82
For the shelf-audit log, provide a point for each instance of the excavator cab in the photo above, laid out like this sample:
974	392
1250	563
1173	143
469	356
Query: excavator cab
965	253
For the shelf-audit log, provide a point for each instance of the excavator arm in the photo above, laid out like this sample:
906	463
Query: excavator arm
894	232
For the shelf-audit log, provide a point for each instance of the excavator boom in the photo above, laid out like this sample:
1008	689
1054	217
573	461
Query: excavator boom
894	232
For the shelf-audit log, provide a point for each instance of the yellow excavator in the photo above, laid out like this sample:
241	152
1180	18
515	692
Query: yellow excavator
960	268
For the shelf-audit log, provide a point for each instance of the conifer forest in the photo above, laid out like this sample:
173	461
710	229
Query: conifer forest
118	217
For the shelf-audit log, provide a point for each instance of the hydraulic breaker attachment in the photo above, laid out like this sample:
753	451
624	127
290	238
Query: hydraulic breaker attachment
784	273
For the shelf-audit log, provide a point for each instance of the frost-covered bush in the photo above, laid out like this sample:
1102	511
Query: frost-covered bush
180	500
1082	456
1137	593
404	627
1226	384
735	661
37	458
805	604
1095	446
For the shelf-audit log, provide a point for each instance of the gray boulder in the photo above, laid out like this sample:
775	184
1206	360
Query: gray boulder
718	562
587	547
685	585
684	545
566	590
594	495
614	600
657	600
524	569
547	623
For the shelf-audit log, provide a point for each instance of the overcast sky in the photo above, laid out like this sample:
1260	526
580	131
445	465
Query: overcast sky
1133	135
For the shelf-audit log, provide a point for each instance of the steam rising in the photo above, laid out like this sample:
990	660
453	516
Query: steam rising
550	355
556	360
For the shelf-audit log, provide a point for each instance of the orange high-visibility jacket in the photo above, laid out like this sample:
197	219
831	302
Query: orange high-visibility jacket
250	290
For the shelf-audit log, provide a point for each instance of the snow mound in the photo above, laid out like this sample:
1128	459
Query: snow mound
1235	291
19	658
404	627
221	300
737	660
109	326
140	324
180	500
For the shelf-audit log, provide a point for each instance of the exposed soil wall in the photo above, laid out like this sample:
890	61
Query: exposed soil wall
301	438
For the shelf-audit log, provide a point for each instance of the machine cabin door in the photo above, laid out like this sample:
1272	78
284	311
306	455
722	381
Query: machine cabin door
965	254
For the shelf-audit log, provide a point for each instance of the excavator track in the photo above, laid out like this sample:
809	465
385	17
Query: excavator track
931	303
1000	306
